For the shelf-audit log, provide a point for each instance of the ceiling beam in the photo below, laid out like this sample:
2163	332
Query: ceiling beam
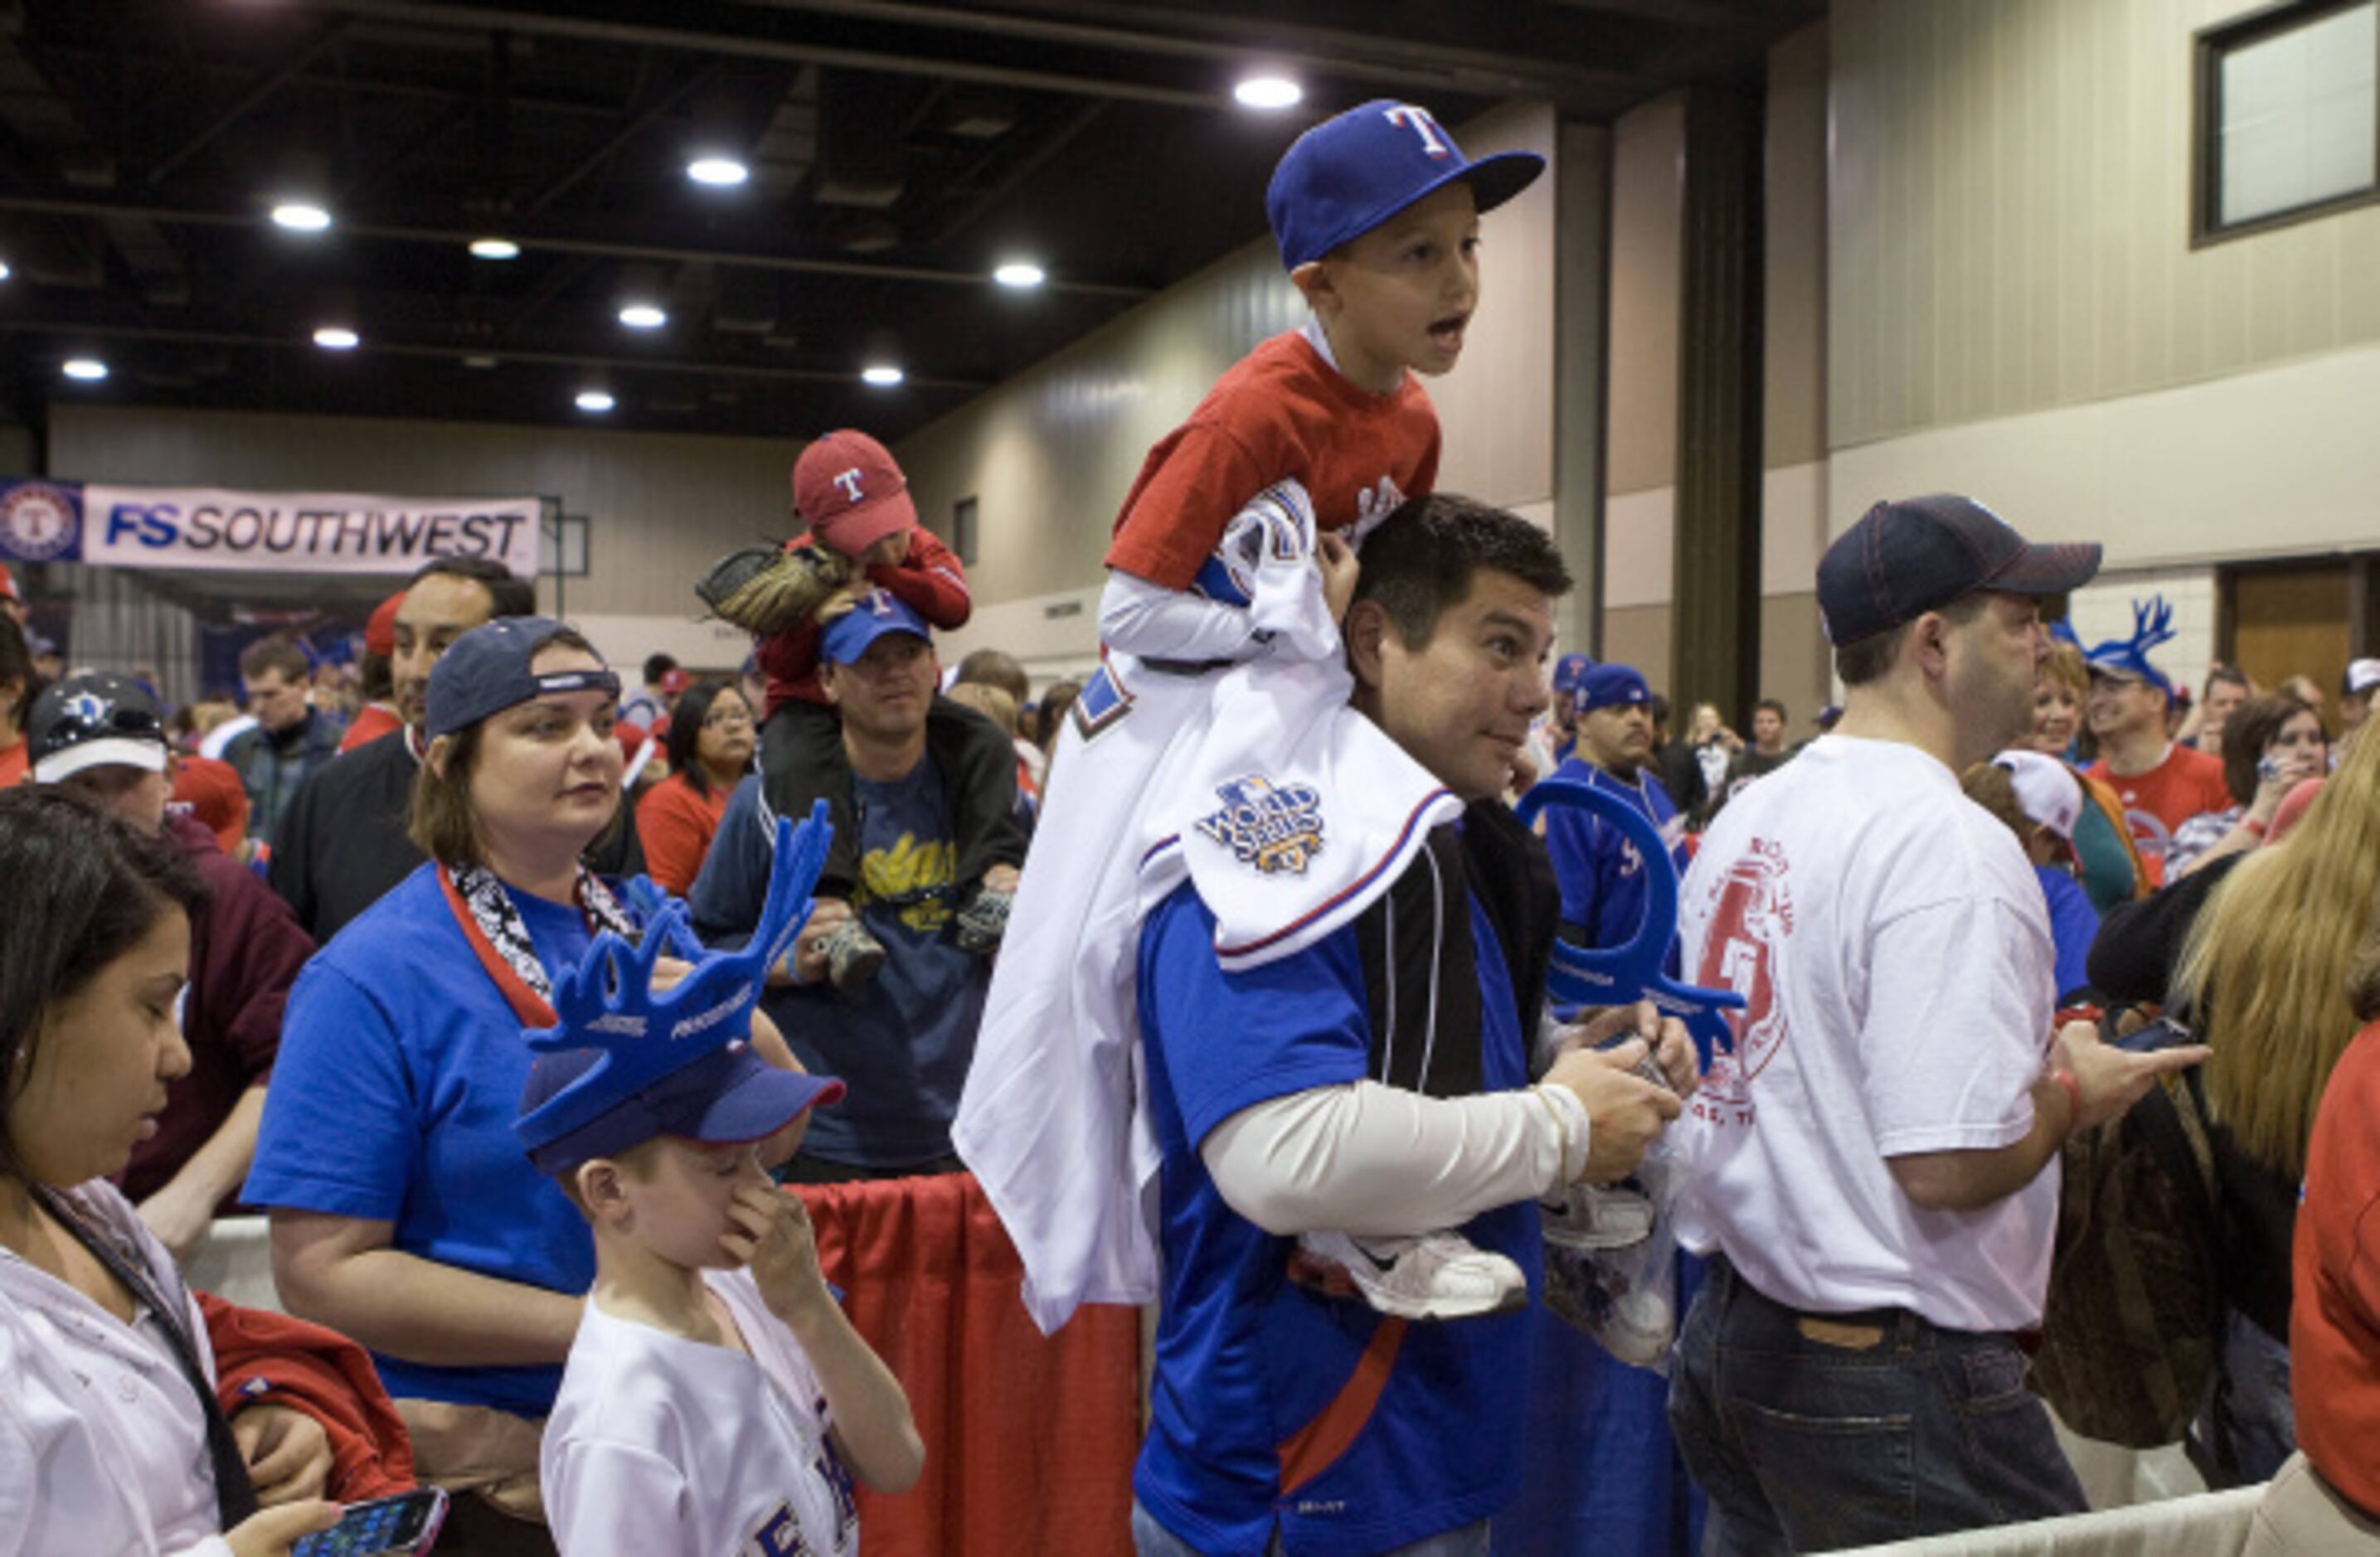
261	89
1390	61
626	366
607	247
736	45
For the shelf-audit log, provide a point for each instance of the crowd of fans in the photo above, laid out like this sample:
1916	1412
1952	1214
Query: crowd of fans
379	956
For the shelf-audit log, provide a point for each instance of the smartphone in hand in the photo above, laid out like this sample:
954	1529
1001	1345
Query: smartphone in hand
403	1526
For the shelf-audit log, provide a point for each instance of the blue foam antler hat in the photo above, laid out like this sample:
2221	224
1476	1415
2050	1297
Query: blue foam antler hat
2129	658
623	1064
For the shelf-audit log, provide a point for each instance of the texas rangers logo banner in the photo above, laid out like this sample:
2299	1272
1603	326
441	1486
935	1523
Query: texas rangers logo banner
41	521
210	528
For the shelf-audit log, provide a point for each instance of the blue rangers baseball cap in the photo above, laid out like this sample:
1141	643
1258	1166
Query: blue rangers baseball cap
1570	671
1907	557
1348	174
878	612
1613	686
485	672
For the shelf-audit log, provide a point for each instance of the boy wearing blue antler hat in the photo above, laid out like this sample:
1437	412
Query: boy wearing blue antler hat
716	1392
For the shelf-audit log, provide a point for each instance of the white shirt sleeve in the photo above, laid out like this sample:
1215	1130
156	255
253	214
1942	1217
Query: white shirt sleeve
606	1498
1155	622
1375	1161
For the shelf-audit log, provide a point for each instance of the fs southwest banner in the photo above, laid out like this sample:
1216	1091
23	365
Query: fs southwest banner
216	528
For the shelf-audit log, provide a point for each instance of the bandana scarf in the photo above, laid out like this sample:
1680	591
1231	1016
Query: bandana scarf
493	923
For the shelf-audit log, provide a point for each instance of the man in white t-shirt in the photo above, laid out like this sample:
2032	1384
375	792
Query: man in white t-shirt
1870	1160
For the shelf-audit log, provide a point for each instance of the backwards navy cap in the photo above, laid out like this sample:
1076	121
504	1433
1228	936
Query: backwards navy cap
485	672
1348	174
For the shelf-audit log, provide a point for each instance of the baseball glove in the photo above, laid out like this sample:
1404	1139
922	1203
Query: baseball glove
767	592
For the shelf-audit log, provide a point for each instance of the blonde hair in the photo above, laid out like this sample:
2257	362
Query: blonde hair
2067	666
2272	960
993	702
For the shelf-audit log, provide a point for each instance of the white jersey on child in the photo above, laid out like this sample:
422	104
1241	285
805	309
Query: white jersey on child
1895	954
667	1447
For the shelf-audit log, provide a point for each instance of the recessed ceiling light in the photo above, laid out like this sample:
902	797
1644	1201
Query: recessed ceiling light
479	362
90	369
883	375
720	173
5	272
300	216
337	338
1020	273
495	248
643	315
1268	92
595	400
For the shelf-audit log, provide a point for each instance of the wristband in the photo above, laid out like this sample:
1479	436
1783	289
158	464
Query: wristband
2073	1097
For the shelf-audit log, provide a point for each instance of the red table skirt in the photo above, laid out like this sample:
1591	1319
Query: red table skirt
1029	1441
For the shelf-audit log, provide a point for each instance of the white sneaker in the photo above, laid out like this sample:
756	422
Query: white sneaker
1435	1276
1592	1217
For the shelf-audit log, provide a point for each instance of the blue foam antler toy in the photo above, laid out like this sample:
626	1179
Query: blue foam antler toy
1635	970
607	1002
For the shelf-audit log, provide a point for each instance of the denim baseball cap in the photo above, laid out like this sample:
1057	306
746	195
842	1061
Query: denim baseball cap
728	1096
878	612
1571	670
1613	686
485	672
1907	557
1348	174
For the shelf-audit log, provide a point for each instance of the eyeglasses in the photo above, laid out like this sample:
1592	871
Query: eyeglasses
726	717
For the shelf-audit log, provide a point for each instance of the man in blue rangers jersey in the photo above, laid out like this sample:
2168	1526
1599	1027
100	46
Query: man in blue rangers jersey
1600	872
1278	1412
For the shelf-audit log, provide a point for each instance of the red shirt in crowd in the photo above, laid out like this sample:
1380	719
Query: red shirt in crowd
675	823
929	579
371	721
2335	1316
15	763
2155	802
1281	412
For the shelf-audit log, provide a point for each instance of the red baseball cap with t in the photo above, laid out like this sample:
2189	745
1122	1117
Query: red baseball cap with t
380	633
847	489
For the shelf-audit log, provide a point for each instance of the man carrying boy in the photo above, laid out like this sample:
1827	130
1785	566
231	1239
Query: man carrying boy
853	498
716	1392
1232	552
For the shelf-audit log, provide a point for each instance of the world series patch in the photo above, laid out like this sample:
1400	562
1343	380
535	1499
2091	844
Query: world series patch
1272	828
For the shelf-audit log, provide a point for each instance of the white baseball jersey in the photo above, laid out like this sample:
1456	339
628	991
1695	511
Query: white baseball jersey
667	1447
1288	810
102	1444
1893	950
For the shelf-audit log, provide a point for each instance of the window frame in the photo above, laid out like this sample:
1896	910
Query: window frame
2208	47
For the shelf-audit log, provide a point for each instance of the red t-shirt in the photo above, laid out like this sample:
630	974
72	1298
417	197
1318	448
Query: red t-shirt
16	762
1281	412
676	825
2334	1308
2155	802
371	722
931	580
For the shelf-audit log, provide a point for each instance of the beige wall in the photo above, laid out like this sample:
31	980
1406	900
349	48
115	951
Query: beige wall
1048	455
1640	419
2010	219
661	507
1794	666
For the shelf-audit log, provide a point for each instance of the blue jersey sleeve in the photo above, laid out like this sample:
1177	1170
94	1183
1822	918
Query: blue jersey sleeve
1228	1041
341	1133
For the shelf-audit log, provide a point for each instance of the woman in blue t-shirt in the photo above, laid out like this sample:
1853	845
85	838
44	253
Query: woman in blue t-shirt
403	1211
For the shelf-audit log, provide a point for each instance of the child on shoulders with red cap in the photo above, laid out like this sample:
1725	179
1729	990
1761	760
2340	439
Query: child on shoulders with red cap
864	531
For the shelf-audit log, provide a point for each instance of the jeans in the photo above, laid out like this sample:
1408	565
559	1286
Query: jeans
2248	1426
1150	1539
1812	1432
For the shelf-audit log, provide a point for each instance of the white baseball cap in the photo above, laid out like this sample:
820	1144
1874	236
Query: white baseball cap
2046	789
2362	675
